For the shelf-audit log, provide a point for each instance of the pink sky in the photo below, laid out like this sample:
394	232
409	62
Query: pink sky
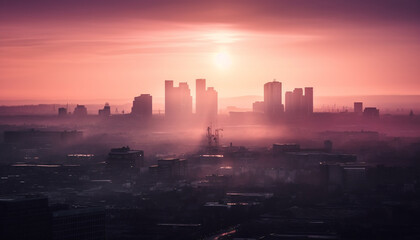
50	50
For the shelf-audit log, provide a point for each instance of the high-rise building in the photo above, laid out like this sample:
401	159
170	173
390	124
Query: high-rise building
206	101
142	106
178	100
358	107
288	98
106	111
273	99
309	99
200	98
80	111
62	112
298	103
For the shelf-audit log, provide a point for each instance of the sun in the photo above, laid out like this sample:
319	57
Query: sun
222	60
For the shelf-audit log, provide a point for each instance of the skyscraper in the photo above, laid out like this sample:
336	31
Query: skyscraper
178	100
309	99
200	98
358	107
206	107
288	98
273	99
298	103
142	106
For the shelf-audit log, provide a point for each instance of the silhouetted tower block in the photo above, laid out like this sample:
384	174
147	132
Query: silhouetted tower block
80	111
200	91
371	112
289	102
273	99
299	104
142	106
358	107
206	101
62	112
309	100
297	101
258	107
106	111
178	100
169	98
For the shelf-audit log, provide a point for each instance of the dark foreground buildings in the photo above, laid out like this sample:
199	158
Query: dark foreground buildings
31	218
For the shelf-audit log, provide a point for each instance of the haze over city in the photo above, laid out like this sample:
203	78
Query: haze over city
102	50
228	120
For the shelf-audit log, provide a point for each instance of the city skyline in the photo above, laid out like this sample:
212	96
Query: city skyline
118	50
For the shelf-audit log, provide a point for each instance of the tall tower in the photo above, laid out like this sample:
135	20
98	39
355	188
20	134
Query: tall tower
200	98
358	107
178	100
169	89
273	99
309	99
288	98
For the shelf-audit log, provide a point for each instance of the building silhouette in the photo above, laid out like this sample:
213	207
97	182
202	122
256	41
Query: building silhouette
206	101
258	107
358	107
142	106
371	112
309	100
273	99
80	111
62	112
178	100
298	103
106	111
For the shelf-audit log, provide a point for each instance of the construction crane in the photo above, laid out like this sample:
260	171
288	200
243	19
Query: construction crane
213	138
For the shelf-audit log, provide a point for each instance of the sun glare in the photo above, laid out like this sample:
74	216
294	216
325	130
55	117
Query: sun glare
222	60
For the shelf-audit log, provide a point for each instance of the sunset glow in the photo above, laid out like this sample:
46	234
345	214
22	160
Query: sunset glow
222	60
67	51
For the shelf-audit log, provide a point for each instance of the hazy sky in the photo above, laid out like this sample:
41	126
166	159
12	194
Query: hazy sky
86	50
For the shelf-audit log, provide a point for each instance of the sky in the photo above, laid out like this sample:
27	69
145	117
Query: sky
113	50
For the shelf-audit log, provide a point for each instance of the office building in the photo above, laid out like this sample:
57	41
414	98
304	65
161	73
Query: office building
80	111
288	99
142	106
298	103
169	168
178	100
125	158
309	100
62	112
371	112
206	101
106	111
273	99
358	107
